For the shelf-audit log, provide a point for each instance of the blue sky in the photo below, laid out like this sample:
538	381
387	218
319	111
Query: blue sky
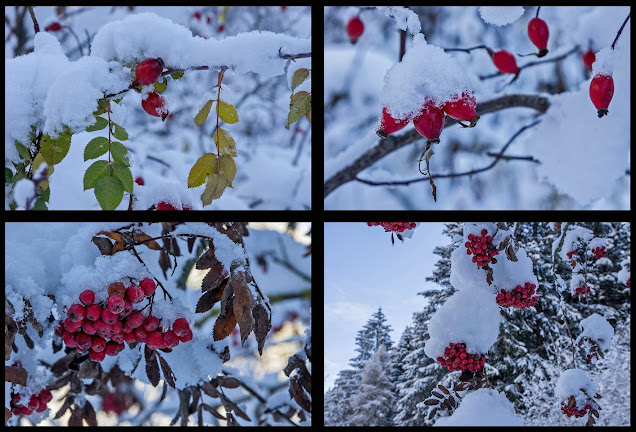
363	271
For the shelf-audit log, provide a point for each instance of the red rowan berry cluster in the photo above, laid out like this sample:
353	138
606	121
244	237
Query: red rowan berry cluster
582	290
101	329
599	252
394	226
457	358
574	411
36	403
521	297
592	349
572	253
481	248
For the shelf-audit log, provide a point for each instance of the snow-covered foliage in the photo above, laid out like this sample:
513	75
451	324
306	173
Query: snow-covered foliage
500	15
597	328
373	402
483	407
575	382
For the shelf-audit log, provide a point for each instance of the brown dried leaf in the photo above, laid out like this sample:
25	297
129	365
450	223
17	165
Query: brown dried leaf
212	411
226	296
168	375
65	407
76	384
15	375
200	413
225	354
432	414
104	245
229	382
59	382
262	325
207	260
184	407
224	326
504	243
210	298
210	390
594	413
164	262
76	417
191	241
571	401
452	401
152	368
431	402
437	394
88	413
510	253
243	317
442	388
231	421
299	395
239	412
215	277
146	240
489	276
88	370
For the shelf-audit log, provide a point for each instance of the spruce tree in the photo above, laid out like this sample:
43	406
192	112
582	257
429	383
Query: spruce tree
374	334
372	404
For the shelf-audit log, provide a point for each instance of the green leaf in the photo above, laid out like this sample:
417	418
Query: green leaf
225	142
202	169
102	104
54	150
228	168
13	205
177	75
23	151
214	189
299	77
100	123
119	132
95	172
119	152
95	148
227	112
109	192
299	106
8	175
46	194
202	116
40	205
161	87
122	172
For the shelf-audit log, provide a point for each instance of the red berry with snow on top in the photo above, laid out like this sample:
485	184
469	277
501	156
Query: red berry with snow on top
601	93
430	121
389	125
148	71
462	108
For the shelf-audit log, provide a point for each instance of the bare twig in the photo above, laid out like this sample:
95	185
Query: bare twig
620	30
36	26
532	64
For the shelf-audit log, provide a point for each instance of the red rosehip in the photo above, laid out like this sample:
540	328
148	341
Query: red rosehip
588	59
93	312
151	323
539	33
115	304
355	28
601	93
181	327
135	319
109	317
505	62
117	337
154	340
87	297
187	337
116	327
97	355
70	339
430	121
83	340
462	108
389	125
139	181
148	285
54	27
148	71
134	294
76	312
155	105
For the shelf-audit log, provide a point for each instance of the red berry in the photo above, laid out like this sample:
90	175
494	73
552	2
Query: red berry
181	327
112	349
127	309
151	323
87	297
54	27
601	92
588	59
115	304
34	403
101	328
155	105
117	337
84	340
187	337
505	62
165	206
98	344
462	108
539	33
148	286
220	28
389	125
93	312
139	181
197	15
134	294
76	312
135	319
130	337
70	339
109	317
72	326
154	340
142	334
97	356
89	327
148	71
208	19
45	396
355	28
430	121
116	327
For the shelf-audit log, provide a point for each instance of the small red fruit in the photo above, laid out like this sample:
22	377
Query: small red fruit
93	312
130	337
116	304
165	206
34	403
430	122
76	312
89	327
539	33
220	28
72	326
187	337
151	323
98	344
197	15
101	328
97	356
139	181
601	93
181	327
208	19
127	309
155	105
54	27
109	317
170	338
87	297
462	108
148	286
84	340
116	327
588	59
45	396
148	71
355	28
135	319
505	62
389	125
154	340
70	339
142	334
118	337
134	294
112	348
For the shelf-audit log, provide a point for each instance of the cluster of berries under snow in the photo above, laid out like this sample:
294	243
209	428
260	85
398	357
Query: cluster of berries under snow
481	248
520	297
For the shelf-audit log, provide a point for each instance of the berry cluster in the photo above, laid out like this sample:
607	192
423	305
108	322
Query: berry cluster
481	248
457	358
148	72
521	297
592	349
599	252
394	226
36	403
572	253
100	329
582	290
573	411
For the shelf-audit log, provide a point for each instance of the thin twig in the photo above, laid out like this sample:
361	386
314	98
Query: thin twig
36	26
620	30
532	64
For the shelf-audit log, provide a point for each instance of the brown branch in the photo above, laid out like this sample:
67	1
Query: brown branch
392	143
532	64
36	26
402	43
620	30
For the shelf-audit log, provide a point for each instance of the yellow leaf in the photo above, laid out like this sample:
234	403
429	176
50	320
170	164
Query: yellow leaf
299	77
227	112
214	189
202	116
228	168
202	169
225	142
299	106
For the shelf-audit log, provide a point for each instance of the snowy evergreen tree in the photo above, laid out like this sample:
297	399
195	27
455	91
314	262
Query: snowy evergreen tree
402	349
374	334
337	399
373	402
